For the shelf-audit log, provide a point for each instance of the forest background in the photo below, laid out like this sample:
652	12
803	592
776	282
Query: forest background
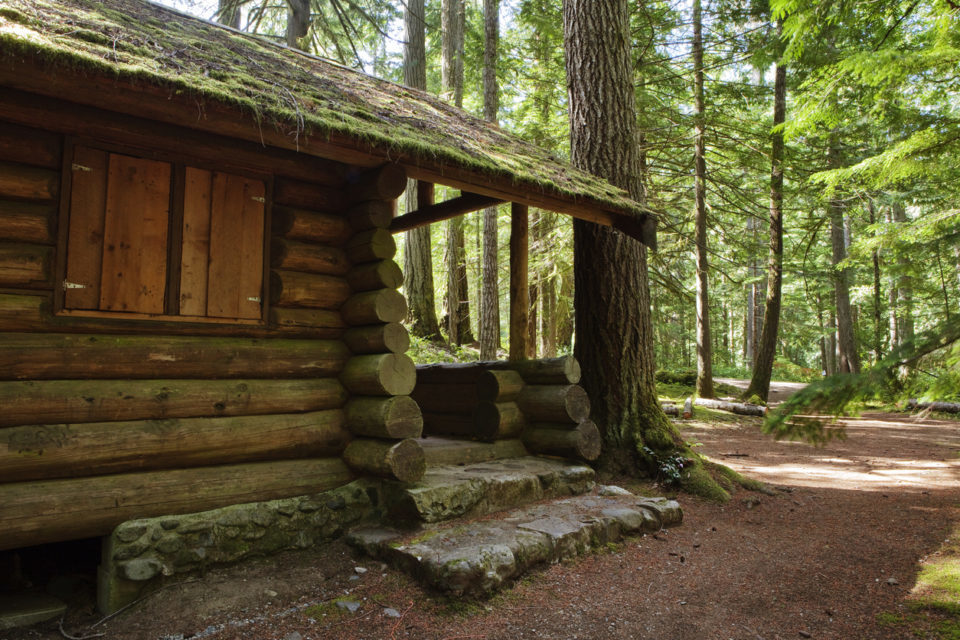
871	225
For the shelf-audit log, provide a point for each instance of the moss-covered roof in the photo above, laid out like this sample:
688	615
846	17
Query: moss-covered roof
141	42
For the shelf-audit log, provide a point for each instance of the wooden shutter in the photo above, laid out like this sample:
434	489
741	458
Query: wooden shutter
136	221
221	272
88	195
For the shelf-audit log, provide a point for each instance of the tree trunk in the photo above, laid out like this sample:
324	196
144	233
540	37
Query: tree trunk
228	13
849	361
417	262
298	22
704	344
763	369
877	293
904	285
489	328
614	339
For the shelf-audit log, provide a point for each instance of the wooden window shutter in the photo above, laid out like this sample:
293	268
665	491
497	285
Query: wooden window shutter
136	222
221	271
85	232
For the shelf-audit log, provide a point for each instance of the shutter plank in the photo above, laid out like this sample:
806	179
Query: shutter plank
226	241
85	232
133	275
195	257
251	267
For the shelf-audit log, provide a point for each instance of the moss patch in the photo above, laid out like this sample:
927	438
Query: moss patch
299	94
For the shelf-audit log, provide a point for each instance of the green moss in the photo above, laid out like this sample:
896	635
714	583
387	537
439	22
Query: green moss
699	482
147	44
888	619
325	611
735	479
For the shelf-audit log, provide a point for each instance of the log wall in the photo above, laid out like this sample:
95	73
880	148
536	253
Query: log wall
107	417
535	400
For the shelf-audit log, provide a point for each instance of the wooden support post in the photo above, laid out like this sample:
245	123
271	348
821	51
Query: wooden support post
519	285
424	193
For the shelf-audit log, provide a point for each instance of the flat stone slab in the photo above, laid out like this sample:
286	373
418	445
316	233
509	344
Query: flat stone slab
453	491
479	558
23	610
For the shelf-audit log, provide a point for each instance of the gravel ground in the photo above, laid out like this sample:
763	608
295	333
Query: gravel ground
832	554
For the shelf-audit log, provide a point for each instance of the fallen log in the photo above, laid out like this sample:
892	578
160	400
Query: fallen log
77	401
741	408
395	418
403	460
555	403
45	451
581	443
670	409
946	407
70	509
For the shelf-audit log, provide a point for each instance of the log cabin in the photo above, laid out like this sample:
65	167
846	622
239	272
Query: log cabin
198	299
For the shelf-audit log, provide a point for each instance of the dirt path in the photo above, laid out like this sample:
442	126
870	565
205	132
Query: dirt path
833	554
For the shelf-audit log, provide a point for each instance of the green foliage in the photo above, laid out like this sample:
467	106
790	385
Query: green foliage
669	466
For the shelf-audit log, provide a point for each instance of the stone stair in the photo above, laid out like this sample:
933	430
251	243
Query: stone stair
547	510
478	558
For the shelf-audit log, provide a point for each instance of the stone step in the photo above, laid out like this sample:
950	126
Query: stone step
478	558
25	609
454	491
440	451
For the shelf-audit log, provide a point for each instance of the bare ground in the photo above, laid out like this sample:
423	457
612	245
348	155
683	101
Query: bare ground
834	553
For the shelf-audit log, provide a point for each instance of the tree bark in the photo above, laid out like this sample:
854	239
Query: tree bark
763	369
489	327
704	345
877	293
846	340
614	339
298	22
228	13
417	259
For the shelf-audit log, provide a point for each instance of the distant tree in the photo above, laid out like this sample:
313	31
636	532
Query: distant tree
489	324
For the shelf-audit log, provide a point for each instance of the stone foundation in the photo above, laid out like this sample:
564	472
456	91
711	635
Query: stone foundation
140	555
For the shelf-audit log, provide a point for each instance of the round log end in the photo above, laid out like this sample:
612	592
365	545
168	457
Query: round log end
589	443
407	461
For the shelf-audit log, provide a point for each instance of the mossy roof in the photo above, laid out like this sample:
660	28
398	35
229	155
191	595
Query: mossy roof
141	42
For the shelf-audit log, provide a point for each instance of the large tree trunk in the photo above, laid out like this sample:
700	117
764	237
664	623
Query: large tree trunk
298	22
849	361
704	345
489	326
228	13
417	262
763	369
612	299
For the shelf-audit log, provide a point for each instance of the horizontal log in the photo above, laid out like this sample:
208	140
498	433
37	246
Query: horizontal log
403	460
78	401
28	183
384	374
555	403
501	420
310	226
307	319
499	386
308	257
40	356
448	451
741	408
562	370
670	409
54	510
372	214
26	265
307	290
393	418
945	407
27	222
308	195
23	312
383	274
31	146
371	245
46	451
374	307
381	183
378	338
452	208
580	443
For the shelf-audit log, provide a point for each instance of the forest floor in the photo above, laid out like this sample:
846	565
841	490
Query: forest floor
859	539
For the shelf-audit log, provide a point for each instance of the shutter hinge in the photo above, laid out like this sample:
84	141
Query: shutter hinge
80	167
259	199
73	285
254	299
